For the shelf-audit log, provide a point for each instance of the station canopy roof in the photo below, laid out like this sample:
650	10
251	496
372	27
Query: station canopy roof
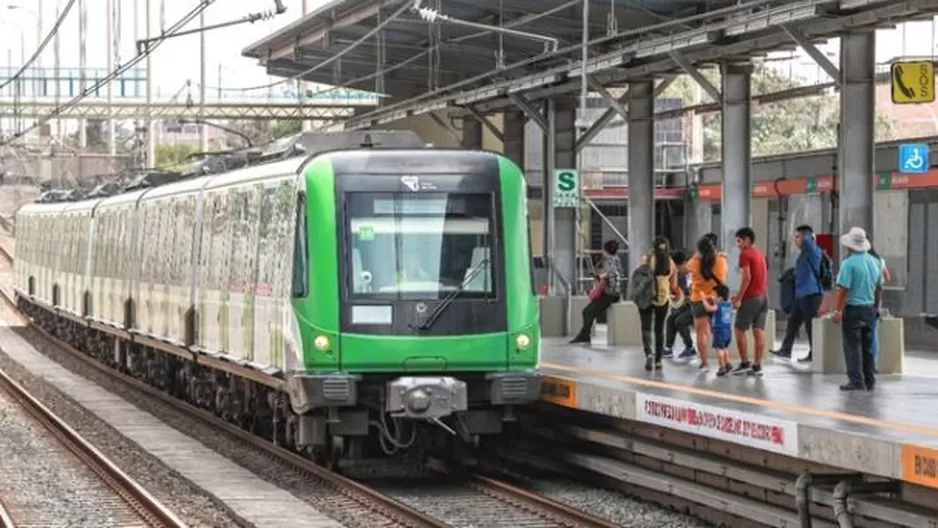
430	66
465	51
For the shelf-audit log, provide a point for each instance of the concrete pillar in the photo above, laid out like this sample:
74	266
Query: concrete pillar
513	131
699	222
737	161
857	121
641	169
471	133
560	153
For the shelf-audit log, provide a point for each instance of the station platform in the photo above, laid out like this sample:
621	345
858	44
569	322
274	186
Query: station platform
891	431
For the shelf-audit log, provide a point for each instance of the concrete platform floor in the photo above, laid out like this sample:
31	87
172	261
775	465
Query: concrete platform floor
789	410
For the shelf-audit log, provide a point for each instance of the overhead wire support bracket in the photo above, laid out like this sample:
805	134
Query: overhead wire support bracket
143	44
551	44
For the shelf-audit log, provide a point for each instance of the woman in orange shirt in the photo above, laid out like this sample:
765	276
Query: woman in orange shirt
707	269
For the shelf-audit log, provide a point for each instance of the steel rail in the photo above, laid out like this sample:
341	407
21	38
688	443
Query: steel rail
554	510
6	521
151	510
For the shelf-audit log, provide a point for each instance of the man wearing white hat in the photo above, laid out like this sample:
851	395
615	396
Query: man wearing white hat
859	288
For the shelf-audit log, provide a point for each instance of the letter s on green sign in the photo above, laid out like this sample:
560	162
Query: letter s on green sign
566	181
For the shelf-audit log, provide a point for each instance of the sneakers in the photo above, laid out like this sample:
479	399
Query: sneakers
781	353
688	353
657	365
743	368
667	353
703	368
723	371
756	370
807	359
649	362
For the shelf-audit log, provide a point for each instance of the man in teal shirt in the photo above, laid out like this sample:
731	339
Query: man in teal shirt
859	287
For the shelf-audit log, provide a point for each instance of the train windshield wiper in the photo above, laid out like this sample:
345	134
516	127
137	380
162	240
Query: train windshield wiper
448	300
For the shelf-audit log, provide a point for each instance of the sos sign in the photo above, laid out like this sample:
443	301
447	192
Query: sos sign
913	82
566	188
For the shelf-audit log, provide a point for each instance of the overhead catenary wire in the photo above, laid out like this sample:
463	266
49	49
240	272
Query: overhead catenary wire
42	45
169	32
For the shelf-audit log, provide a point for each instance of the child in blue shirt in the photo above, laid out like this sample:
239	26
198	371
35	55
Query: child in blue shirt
721	324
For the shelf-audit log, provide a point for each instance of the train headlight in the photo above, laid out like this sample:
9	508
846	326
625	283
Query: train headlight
321	342
523	341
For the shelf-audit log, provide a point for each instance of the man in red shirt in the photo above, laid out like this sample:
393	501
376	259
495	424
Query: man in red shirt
752	304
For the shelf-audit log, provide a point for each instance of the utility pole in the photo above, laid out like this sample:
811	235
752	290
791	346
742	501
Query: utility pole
111	26
57	74
203	129
151	137
82	65
301	86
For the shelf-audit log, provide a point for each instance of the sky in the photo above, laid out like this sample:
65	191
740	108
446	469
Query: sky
178	59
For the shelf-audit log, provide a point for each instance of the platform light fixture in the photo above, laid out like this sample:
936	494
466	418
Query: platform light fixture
679	42
536	81
773	18
603	62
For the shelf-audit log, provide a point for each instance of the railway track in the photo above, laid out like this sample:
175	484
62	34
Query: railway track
472	495
135	506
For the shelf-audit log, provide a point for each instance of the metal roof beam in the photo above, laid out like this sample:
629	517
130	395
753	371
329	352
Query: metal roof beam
486	122
695	74
809	48
530	110
617	108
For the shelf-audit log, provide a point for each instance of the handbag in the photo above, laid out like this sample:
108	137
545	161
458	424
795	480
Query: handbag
598	289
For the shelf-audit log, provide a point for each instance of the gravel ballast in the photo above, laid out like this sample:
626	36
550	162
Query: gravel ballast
43	484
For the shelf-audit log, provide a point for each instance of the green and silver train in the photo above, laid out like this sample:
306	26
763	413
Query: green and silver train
351	294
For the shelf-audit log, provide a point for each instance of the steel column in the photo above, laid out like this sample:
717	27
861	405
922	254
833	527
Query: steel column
560	153
857	121
471	134
513	134
737	161
641	212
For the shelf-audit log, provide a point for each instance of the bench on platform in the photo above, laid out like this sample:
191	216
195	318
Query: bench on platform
577	304
828	350
624	325
553	316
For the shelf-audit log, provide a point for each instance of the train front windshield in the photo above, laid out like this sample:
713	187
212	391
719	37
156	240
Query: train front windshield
420	246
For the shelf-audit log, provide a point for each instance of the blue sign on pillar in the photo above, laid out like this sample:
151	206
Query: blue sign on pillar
913	158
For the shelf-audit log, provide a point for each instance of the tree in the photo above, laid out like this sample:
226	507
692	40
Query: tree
794	125
286	128
172	157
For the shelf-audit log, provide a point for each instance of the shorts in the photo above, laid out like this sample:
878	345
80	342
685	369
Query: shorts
721	338
698	310
752	313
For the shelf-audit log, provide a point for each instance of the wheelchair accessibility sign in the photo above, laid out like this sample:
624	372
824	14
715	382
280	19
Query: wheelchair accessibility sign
913	158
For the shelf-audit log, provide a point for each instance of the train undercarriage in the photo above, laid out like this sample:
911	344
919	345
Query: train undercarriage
334	435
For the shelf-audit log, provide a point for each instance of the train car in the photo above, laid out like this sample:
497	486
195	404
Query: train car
353	295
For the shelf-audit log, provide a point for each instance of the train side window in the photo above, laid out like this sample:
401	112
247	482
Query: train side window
301	250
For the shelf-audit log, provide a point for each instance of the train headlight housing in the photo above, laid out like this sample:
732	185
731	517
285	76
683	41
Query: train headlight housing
523	341
321	342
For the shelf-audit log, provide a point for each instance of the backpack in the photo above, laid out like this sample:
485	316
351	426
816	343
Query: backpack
642	286
825	275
